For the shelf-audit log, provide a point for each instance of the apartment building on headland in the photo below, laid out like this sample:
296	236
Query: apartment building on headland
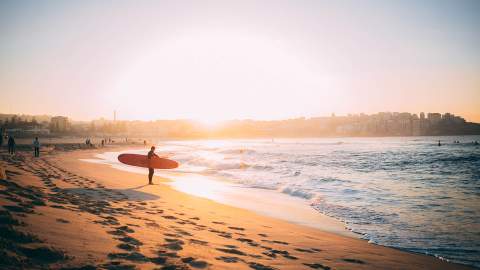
59	124
398	124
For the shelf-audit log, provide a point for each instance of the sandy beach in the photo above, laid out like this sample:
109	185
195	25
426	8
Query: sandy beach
62	213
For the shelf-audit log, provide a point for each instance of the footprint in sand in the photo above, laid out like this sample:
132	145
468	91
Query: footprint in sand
61	220
152	225
129	256
354	261
237	228
258	266
158	260
194	263
305	250
165	253
273	254
43	255
317	266
174	244
172	235
127	247
232	251
221	233
18	209
182	232
125	229
130	240
219	223
199	242
275	242
229	259
169	217
248	241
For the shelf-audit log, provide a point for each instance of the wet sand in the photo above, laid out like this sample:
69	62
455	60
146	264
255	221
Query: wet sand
61	213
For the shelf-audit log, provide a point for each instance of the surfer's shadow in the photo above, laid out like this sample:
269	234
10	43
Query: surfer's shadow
129	194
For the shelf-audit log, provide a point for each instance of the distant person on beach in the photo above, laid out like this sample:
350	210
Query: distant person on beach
11	145
36	147
150	155
439	144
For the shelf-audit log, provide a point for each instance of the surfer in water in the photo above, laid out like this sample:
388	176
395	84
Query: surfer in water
151	154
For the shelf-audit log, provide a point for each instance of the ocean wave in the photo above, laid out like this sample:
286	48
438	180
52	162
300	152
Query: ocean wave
298	192
237	151
218	165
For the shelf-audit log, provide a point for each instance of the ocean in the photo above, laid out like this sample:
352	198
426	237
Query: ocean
402	192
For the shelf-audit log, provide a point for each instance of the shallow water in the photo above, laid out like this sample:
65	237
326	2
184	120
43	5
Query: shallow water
404	192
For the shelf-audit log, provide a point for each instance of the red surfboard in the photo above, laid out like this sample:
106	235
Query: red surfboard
143	161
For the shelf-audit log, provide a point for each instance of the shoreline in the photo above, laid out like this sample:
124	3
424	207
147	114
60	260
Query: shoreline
261	201
173	228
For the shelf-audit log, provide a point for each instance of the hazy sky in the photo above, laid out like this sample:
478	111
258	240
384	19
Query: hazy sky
212	60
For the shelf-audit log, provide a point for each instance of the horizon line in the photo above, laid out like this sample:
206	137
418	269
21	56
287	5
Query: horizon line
232	119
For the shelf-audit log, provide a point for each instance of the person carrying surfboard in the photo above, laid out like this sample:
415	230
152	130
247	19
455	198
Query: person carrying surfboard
150	155
150	161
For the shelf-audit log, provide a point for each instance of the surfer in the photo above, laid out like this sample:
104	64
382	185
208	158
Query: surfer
11	145
151	154
36	147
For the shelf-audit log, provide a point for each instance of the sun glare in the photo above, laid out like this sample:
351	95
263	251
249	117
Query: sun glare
210	122
212	77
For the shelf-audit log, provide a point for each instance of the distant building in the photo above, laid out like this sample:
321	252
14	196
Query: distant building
59	124
458	120
417	127
434	117
448	117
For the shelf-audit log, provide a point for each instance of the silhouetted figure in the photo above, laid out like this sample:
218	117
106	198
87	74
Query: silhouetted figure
475	143
103	143
150	155
439	144
36	147
11	145
144	143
